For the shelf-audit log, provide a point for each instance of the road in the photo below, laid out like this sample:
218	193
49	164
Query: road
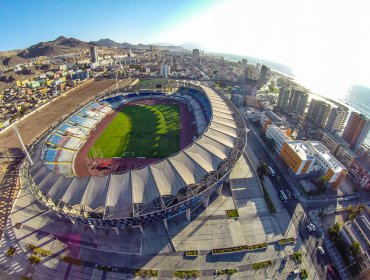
297	211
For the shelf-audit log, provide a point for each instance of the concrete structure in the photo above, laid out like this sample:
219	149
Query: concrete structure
196	53
333	141
334	171
153	192
278	135
94	55
303	157
299	156
264	74
250	101
345	155
359	170
237	99
356	130
297	101
283	99
165	71
318	112
337	118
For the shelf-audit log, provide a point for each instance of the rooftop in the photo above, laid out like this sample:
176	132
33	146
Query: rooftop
327	156
301	148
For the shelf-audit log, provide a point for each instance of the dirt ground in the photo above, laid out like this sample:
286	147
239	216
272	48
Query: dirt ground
35	124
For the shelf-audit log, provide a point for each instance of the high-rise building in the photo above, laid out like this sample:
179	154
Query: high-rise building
298	101
264	73
356	130
152	48
94	54
318	112
165	70
336	119
196	53
283	99
244	62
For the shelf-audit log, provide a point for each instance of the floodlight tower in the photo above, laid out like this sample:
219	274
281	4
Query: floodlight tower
16	132
120	67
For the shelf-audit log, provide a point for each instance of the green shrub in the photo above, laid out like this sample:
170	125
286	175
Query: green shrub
34	259
226	271
286	241
186	273
268	200
297	256
10	252
260	265
230	214
192	253
303	274
230	249
146	273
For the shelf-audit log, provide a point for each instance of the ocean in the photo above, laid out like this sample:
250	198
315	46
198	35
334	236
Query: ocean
356	97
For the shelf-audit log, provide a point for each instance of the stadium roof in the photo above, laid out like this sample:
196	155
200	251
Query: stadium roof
158	184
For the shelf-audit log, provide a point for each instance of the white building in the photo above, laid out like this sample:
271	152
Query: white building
278	135
331	167
336	119
165	70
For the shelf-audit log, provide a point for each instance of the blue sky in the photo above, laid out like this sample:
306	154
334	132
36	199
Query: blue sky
24	23
323	41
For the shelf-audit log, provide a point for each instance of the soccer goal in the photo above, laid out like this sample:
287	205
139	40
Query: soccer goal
128	154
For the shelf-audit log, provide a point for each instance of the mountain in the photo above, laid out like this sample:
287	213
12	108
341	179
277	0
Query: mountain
107	43
110	43
192	45
60	45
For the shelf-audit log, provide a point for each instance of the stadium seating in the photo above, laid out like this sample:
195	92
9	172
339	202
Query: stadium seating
66	155
73	130
51	155
86	122
72	143
64	168
55	139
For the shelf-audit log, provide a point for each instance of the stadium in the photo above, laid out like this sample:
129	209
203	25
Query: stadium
130	157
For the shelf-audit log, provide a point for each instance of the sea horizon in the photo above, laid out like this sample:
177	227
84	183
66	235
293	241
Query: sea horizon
352	95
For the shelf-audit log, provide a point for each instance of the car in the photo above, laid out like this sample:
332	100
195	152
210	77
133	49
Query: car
321	250
309	228
331	270
347	198
313	227
340	199
294	195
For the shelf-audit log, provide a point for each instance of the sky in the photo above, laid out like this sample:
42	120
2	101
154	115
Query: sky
320	40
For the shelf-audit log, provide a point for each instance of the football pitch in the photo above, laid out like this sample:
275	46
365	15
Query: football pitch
151	131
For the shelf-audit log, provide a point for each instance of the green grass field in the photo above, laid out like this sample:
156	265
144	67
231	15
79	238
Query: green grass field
149	131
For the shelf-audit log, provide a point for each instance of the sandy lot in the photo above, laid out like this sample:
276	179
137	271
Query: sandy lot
35	124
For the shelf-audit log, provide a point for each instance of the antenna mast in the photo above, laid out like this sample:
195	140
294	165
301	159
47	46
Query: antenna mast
15	129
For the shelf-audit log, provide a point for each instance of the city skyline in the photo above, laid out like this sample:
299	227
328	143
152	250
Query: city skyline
300	35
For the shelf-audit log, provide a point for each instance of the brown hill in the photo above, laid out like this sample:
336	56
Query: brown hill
59	46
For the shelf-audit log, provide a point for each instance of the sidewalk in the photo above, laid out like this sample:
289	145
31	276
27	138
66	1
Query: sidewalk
332	249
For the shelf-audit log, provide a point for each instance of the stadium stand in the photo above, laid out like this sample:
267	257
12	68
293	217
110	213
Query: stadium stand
86	122
51	155
66	156
80	132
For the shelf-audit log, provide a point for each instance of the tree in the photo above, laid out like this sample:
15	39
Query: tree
355	249
334	231
262	169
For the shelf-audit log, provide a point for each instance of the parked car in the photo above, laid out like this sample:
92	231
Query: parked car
331	270
321	250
